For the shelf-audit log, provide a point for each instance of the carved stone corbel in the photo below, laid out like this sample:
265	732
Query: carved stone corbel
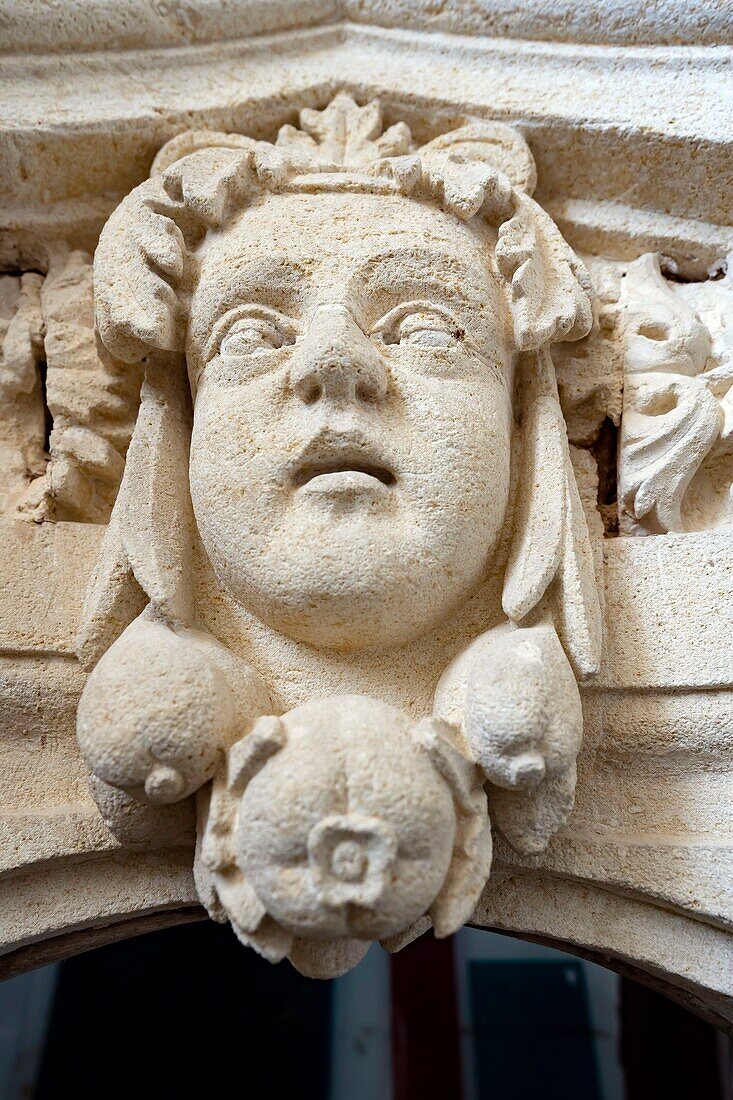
341	376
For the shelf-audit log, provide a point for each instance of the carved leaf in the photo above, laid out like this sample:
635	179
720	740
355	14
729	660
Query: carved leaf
138	825
345	133
662	331
471	862
154	501
551	553
550	289
674	397
529	819
139	250
113	598
21	337
669	425
574	599
490	143
190	141
537	546
146	547
206	183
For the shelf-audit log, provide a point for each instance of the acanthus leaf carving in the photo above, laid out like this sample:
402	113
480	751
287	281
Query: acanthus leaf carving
669	426
345	133
677	392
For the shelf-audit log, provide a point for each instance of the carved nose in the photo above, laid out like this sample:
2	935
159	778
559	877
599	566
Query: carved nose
337	361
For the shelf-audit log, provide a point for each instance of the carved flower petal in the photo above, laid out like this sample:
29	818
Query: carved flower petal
327	958
270	940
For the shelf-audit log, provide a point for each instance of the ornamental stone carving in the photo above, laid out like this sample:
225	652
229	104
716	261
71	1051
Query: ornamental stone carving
376	479
676	459
346	351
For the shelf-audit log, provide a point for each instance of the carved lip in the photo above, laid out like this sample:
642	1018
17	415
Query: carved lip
331	455
309	471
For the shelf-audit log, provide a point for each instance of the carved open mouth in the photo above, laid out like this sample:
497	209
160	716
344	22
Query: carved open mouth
308	471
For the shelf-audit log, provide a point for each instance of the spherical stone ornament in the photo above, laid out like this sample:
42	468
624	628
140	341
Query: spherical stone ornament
342	821
349	790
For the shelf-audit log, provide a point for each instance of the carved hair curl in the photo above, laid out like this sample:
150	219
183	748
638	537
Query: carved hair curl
148	239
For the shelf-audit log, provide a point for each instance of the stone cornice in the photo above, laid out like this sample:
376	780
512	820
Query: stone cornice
595	116
108	25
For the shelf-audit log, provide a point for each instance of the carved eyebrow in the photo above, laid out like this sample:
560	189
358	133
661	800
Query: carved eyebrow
454	296
419	265
270	279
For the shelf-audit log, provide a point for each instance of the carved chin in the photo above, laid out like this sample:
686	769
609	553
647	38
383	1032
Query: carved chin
351	624
330	604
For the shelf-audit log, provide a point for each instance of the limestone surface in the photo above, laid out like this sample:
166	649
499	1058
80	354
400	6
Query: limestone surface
346	351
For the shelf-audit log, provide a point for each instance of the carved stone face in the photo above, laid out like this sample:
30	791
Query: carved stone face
351	444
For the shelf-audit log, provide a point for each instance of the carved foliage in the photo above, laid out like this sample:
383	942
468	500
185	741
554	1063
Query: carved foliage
678	376
22	429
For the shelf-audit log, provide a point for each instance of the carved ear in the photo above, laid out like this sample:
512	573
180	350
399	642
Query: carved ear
146	548
550	557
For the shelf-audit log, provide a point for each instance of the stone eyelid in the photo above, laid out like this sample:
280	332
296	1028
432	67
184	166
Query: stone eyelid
391	320
223	327
403	310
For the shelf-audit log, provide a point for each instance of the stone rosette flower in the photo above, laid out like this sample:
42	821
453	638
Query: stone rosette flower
342	823
351	857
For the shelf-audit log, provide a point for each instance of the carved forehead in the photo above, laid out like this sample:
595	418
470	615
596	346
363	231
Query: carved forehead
346	218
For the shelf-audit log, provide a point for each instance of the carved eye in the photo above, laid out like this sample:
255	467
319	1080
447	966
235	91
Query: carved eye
426	330
419	325
256	335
